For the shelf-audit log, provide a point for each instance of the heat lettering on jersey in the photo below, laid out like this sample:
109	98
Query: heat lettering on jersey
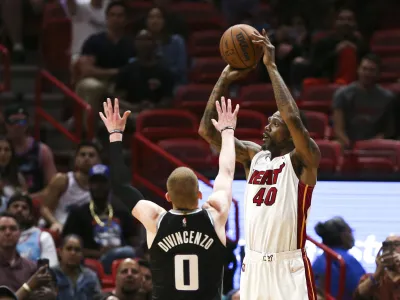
267	177
185	237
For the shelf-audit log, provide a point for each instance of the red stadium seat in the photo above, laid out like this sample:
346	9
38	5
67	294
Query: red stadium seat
195	107
321	106
390	70
318	92
264	107
193	92
96	266
257	92
331	156
317	124
164	123
196	153
378	155
207	70
250	124
205	43
386	43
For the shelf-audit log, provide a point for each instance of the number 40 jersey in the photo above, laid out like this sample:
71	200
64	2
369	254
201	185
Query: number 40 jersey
187	257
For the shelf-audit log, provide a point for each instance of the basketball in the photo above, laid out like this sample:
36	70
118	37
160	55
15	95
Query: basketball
237	49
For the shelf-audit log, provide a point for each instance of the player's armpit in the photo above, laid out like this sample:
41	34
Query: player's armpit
220	201
148	213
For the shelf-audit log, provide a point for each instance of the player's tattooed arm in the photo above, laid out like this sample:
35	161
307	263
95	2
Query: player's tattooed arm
305	148
245	150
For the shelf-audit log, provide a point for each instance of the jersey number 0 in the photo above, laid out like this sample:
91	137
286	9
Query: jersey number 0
187	272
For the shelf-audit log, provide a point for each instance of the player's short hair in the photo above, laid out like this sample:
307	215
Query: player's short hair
183	187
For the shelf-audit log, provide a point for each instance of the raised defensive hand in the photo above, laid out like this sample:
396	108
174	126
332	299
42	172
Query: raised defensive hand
112	118
226	118
269	49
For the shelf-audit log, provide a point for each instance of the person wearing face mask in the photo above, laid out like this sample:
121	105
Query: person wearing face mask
384	283
108	233
338	235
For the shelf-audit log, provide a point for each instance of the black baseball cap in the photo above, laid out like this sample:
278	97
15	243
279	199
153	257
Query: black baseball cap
6	292
15	109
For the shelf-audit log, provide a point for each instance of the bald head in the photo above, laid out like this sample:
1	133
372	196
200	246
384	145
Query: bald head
393	238
128	263
183	188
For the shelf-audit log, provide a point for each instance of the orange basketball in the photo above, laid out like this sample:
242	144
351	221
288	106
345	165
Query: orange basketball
237	48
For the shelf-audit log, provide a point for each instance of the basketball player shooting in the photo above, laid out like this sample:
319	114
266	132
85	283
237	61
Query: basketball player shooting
280	176
187	243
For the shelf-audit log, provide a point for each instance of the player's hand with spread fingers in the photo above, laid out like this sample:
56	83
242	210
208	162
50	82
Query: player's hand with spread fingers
269	49
232	74
226	118
112	118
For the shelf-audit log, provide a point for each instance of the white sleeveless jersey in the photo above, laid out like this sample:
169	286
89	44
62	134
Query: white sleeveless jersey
276	205
73	196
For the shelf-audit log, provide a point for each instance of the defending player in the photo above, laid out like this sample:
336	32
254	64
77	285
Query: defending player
187	243
280	175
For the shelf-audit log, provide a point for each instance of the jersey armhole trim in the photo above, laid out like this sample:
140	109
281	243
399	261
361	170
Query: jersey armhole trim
210	217
160	219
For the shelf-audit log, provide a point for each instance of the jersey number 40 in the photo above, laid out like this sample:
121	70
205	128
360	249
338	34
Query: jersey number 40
186	272
268	198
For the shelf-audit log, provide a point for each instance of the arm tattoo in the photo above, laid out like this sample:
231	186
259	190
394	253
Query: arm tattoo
211	112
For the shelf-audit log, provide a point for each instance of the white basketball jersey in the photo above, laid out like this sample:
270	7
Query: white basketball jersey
276	205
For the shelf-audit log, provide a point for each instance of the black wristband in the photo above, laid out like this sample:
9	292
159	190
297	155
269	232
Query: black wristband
228	127
115	131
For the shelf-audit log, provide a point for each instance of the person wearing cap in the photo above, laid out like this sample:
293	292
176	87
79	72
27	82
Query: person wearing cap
35	159
70	189
33	243
338	235
108	232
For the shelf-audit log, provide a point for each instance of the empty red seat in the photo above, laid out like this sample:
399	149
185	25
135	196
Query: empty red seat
385	38
390	70
320	106
96	266
205	43
257	92
378	155
317	124
195	107
318	92
166	123
193	92
207	70
250	124
264	107
196	153
331	156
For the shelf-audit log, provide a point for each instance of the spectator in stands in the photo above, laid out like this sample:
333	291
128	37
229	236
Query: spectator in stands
338	235
171	47
363	110
12	19
67	190
33	243
147	81
327	50
42	285
7	294
127	282
35	159
108	233
234	9
87	18
14	269
147	280
103	54
11	180
384	283
73	280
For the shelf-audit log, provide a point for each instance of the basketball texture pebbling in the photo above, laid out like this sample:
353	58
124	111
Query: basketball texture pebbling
237	49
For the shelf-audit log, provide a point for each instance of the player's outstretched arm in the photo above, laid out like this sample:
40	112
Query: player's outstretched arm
145	211
221	198
305	147
245	150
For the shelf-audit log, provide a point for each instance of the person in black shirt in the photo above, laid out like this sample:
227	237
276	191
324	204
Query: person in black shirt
187	243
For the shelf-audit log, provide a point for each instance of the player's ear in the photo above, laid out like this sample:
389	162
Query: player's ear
199	195
167	197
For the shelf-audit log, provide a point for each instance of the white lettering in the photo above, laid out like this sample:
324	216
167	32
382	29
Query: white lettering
185	237
162	246
197	238
191	237
209	243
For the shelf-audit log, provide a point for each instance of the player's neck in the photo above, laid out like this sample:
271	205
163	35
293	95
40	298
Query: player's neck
185	208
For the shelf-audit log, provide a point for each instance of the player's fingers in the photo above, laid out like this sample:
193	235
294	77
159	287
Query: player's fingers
116	107
235	113
223	104
126	115
109	107
215	123
105	108
102	117
229	108
218	107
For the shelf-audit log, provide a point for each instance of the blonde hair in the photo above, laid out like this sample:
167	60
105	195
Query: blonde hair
183	187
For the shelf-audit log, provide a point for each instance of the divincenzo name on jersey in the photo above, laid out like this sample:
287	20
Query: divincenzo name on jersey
185	237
